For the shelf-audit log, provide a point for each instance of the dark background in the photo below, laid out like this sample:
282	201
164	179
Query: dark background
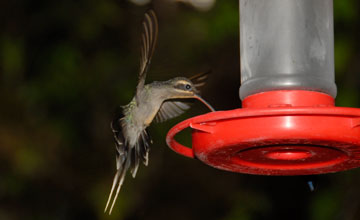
66	65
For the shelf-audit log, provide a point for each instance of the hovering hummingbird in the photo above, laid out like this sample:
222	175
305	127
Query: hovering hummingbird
157	101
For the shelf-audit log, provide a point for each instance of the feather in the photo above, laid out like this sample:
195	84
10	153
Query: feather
170	109
127	156
118	180
199	79
148	42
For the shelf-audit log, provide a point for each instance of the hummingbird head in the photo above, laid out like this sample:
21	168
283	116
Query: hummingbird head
181	87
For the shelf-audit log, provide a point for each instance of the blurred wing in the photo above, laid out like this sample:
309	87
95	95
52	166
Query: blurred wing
148	43
199	79
170	109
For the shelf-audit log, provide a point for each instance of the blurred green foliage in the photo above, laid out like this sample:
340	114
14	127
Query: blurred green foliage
66	65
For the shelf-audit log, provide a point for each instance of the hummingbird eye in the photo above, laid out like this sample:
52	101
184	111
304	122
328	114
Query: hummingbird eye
187	86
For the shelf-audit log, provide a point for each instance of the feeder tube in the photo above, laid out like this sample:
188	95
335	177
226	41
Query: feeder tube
286	45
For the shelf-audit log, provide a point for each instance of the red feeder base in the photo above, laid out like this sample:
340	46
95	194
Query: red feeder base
276	133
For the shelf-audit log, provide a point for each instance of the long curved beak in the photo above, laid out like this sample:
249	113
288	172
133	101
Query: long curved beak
198	97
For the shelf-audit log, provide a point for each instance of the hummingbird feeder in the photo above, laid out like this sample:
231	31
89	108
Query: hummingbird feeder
289	124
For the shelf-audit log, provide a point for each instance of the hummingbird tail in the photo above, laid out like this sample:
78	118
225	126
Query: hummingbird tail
121	159
127	156
118	180
140	152
145	147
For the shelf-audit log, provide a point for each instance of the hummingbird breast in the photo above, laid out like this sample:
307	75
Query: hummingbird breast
137	119
147	105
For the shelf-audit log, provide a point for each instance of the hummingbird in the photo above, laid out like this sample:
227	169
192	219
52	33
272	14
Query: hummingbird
157	101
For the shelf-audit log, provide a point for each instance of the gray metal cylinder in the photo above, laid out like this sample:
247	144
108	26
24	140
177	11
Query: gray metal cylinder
286	45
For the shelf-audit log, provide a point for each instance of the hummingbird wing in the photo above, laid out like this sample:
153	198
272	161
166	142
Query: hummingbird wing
170	109
199	79
148	43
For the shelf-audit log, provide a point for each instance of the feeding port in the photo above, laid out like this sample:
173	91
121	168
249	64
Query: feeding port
288	124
